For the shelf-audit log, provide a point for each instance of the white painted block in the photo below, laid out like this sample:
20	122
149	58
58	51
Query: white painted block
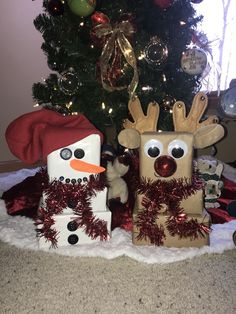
69	235
59	168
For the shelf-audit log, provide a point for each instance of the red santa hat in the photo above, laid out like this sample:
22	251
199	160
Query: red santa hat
34	135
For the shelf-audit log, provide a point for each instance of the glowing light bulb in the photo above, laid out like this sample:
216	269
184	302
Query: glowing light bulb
147	88
141	56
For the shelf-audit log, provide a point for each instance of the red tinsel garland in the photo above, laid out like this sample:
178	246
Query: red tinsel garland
77	197
169	193
45	219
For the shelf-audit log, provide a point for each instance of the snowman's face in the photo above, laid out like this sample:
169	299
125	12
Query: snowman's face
77	161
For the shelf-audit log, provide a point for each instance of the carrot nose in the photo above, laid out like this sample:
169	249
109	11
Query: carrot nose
83	166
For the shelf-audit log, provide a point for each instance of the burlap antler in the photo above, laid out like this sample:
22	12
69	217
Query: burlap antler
192	122
130	136
207	132
142	123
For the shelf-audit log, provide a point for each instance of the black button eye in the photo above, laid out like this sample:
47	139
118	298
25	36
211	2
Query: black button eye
65	153
177	149
153	151
177	152
79	153
153	148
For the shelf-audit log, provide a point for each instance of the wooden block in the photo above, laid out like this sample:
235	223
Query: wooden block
175	241
192	205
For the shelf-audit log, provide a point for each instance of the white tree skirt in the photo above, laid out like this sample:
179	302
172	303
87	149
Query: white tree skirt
20	231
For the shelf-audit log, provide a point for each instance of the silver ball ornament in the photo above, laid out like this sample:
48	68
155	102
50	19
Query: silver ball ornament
156	53
69	82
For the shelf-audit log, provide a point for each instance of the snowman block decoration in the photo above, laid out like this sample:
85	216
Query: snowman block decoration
73	208
73	165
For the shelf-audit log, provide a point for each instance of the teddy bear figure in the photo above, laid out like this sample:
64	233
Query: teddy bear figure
210	171
117	187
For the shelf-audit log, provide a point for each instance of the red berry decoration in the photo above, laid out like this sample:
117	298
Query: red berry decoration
55	7
164	4
181	217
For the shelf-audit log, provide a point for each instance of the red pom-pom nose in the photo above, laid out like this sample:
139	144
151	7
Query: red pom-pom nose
165	166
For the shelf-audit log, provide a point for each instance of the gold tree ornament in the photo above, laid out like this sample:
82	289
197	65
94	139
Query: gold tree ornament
117	36
168	102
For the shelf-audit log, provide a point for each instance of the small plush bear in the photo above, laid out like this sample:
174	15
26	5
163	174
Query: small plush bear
210	171
117	187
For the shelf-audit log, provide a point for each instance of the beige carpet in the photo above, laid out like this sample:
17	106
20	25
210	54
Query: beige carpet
38	282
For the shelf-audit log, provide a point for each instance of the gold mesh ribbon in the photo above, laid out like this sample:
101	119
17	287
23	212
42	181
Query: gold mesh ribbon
117	36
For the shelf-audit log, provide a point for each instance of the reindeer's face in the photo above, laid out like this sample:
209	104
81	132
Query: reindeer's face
166	155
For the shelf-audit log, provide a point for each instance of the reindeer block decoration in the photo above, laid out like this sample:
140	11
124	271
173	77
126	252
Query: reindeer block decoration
169	203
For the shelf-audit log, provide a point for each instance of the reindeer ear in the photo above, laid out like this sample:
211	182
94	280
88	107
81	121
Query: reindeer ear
208	135
129	138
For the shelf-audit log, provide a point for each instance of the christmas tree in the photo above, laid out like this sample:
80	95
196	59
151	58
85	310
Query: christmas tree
103	52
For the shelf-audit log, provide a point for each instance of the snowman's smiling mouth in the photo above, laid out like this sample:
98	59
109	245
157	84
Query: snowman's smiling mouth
82	166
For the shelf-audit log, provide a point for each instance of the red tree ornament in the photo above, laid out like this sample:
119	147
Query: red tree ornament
164	4
99	18
55	7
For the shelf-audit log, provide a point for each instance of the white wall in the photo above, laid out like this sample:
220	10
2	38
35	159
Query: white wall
22	62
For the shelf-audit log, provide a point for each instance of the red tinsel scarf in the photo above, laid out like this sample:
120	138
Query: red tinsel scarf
168	193
76	196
